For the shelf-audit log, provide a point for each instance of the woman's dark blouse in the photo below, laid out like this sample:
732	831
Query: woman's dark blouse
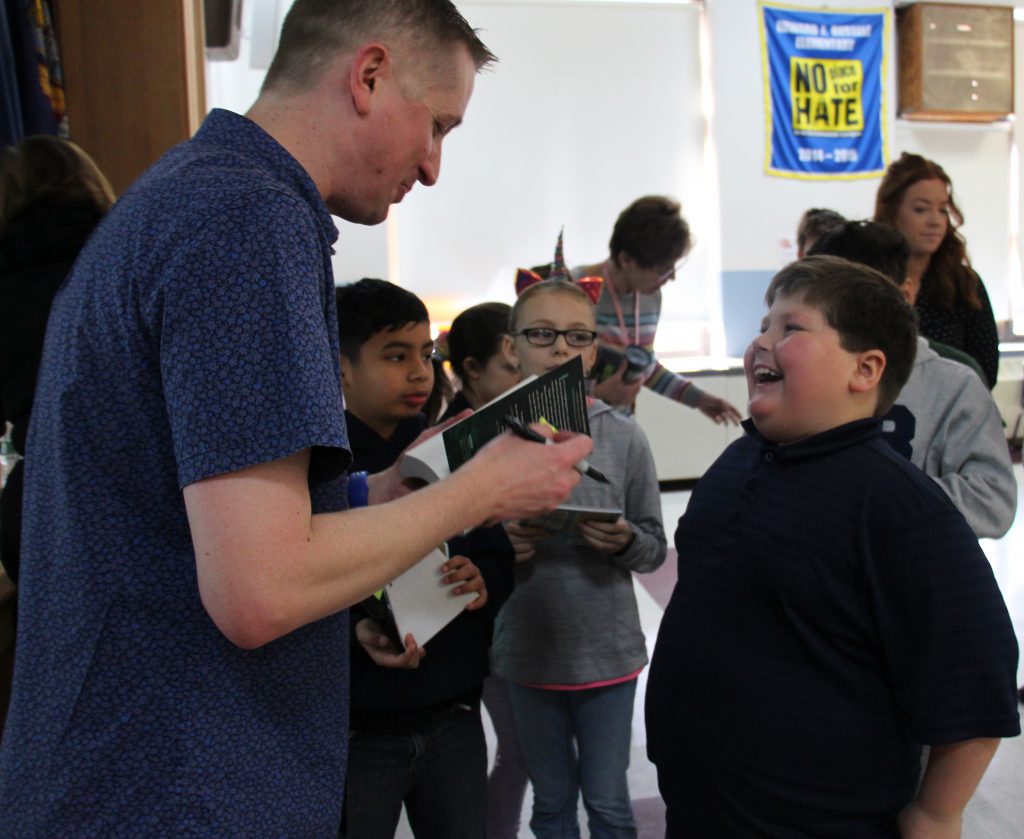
971	330
37	249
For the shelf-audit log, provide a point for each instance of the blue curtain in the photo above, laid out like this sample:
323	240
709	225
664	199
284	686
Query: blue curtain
37	102
11	127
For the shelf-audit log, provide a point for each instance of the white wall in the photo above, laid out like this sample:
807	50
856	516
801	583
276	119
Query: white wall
591	105
361	251
760	212
594	103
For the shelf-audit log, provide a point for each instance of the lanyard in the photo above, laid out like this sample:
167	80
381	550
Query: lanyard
621	317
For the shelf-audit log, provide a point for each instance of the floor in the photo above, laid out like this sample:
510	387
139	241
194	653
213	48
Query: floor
997	808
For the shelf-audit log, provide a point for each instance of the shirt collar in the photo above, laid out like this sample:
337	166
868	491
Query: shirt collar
241	135
366	439
829	441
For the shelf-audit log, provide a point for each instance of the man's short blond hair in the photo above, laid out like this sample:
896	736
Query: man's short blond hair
315	32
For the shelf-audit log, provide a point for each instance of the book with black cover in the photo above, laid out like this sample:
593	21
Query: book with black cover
559	397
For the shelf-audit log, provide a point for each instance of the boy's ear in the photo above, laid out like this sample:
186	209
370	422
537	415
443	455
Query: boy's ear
346	370
868	373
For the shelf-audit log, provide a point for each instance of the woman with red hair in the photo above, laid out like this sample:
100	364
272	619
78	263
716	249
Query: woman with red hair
916	197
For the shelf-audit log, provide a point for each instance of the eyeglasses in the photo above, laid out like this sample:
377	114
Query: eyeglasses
541	336
670	274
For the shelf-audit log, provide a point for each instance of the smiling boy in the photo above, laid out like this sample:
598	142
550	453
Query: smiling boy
834	612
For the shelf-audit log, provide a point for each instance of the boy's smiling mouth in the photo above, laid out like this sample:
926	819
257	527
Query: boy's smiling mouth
765	375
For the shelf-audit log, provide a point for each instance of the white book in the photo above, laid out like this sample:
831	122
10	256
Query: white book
420	603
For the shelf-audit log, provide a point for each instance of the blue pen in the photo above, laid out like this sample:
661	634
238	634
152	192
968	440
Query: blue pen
521	429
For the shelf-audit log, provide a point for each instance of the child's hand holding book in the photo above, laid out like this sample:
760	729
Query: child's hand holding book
524	536
608	537
461	570
382	650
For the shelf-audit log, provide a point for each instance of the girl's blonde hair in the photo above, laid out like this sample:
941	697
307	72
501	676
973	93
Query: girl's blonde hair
549	287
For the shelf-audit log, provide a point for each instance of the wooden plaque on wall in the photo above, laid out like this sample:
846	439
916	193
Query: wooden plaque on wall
133	79
955	62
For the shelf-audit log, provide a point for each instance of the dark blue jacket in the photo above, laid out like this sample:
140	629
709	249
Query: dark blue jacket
833	612
457	659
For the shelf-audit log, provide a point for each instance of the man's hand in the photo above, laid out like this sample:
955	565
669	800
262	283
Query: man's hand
460	569
524	538
615	391
521	479
387	485
383	652
718	410
608	537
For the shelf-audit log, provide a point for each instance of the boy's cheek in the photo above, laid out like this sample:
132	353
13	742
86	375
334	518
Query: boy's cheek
748	368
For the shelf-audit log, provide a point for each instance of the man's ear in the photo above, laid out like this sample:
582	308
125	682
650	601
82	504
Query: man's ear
370	64
868	373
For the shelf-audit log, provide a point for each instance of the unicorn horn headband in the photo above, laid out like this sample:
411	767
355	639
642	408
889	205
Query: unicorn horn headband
558	273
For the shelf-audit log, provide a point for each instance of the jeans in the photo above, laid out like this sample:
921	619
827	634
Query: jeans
437	768
506	785
577	741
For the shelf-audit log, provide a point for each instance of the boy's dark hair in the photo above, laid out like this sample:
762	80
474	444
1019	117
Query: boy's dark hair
814	224
477	333
864	307
652	231
370	306
870	243
315	32
441	393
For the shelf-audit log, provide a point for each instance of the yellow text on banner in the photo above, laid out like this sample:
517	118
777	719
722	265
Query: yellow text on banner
826	94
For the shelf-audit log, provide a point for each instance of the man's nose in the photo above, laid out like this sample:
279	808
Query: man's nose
430	169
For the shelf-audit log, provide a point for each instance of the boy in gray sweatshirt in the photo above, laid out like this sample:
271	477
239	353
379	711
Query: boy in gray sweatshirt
944	420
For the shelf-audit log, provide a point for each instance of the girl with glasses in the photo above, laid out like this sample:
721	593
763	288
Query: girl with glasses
569	639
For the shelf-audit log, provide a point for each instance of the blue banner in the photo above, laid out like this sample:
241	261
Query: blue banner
824	87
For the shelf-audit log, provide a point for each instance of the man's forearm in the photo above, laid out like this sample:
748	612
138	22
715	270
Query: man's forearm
267	566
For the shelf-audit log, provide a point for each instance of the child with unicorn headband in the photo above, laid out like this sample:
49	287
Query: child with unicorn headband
569	640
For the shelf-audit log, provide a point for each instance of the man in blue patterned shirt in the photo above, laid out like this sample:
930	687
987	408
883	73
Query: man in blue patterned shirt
182	662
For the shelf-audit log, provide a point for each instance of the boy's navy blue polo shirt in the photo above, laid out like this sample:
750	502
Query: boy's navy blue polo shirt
196	336
833	611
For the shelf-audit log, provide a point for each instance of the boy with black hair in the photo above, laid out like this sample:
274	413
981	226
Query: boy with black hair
416	735
944	420
834	611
